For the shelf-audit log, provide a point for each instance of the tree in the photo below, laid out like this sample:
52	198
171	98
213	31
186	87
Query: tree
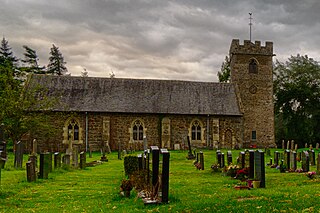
224	74
84	73
297	99
6	56
56	64
31	60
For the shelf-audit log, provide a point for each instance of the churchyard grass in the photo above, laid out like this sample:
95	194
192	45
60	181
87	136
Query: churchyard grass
96	189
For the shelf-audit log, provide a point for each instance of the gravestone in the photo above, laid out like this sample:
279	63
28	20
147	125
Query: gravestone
75	158
44	165
190	155
31	171
296	147
288	145
312	156
283	144
293	160
287	159
292	144
202	160
66	159
57	160
317	146
83	160
306	145
251	164
218	154
318	164
155	164
3	160
18	156
50	162
165	176
34	147
103	153
145	143
222	160
259	168
229	157
140	162
276	158
243	159
305	161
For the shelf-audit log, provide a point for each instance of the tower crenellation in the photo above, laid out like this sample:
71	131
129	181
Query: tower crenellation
251	48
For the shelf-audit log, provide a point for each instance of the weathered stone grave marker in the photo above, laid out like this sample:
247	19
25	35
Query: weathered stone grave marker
287	159
57	160
229	157
18	155
202	160
283	144
190	155
305	161
288	145
276	158
222	160
31	171
165	175
312	156
292	144
318	164
294	160
83	160
44	165
251	164
317	146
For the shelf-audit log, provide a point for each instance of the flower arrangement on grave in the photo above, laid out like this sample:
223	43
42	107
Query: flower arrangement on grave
311	175
216	167
242	174
231	170
126	185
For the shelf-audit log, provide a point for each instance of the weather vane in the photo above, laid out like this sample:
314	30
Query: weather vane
250	24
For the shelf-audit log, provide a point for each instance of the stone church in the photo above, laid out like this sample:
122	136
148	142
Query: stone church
124	112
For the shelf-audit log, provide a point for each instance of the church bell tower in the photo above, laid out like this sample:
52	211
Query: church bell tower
251	72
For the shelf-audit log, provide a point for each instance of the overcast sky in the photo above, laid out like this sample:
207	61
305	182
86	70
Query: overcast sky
158	39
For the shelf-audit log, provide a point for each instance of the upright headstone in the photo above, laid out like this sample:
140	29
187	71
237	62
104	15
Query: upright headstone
276	158
31	171
18	156
305	161
218	153
294	160
312	156
75	162
283	144
145	143
165	176
83	160
306	145
57	160
317	146
251	164
288	145
259	168
292	144
243	159
318	164
202	160
44	165
34	147
66	159
229	157
296	147
155	164
140	162
287	159
103	153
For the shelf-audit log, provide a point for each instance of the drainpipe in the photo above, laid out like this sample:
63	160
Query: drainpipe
86	131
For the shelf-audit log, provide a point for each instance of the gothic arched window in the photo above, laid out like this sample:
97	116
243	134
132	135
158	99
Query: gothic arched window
72	131
137	130
196	131
253	66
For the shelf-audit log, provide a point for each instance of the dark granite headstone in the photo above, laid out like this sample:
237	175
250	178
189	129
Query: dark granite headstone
201	160
259	168
294	160
155	164
218	153
229	157
165	176
312	156
190	155
251	164
287	159
44	165
140	162
292	144
276	158
243	159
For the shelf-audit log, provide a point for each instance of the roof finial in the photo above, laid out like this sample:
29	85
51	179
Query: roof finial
250	24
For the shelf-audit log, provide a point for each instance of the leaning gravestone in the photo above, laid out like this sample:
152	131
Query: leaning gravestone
190	155
259	168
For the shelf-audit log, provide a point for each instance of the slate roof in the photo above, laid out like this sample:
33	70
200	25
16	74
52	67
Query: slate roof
92	94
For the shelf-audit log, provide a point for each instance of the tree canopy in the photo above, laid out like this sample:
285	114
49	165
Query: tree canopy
57	65
224	73
297	99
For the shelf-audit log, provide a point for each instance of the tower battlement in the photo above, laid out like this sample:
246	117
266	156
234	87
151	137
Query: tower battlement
251	48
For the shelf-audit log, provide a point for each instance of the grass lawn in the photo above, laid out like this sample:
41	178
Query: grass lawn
96	189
